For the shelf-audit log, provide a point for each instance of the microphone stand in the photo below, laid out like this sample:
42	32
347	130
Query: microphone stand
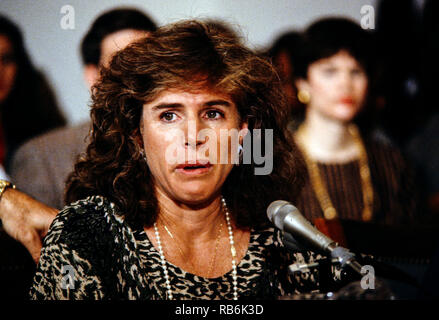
339	255
344	257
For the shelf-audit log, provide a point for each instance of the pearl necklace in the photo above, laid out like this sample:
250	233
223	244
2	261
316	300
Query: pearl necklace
232	250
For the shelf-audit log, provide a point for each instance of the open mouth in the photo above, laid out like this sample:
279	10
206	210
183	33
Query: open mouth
194	168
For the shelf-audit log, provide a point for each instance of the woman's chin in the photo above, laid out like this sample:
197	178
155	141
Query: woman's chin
195	196
344	116
346	113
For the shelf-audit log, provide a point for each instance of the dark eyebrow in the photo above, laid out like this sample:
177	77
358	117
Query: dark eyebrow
167	106
179	105
218	102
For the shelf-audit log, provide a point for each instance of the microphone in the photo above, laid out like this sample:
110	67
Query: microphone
288	218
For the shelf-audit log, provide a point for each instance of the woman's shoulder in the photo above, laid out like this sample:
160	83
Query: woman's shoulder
381	145
386	154
91	239
86	223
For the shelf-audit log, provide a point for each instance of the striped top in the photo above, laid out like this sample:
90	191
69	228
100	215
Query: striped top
395	200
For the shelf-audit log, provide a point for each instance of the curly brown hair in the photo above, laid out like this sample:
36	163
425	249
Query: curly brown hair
185	55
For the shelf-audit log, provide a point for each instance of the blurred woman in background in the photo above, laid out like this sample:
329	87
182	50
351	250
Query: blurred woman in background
27	104
350	174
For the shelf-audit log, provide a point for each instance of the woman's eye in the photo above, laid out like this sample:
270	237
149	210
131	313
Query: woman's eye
168	116
214	114
329	71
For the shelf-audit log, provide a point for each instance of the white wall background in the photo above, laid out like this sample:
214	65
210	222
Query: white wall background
56	51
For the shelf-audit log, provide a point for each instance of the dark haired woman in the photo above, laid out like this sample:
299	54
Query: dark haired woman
27	104
350	174
146	225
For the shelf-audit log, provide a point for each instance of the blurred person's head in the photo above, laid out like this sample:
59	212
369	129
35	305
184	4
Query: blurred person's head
8	67
28	106
332	73
109	33
283	54
14	60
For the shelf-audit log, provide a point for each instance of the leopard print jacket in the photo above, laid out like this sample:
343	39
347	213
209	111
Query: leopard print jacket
91	253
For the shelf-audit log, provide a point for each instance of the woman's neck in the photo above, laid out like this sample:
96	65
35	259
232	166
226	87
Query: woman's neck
196	238
193	224
328	140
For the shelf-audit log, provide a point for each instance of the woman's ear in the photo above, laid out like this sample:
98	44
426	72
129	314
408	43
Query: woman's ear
91	75
301	84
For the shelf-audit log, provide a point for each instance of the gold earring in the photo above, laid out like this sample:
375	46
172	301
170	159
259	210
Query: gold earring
304	96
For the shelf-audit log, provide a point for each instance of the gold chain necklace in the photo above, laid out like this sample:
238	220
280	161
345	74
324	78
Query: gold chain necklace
212	261
215	251
317	182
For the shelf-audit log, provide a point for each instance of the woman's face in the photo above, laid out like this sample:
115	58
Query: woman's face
8	67
337	86
181	135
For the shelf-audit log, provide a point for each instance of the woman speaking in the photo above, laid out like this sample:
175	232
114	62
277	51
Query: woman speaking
153	213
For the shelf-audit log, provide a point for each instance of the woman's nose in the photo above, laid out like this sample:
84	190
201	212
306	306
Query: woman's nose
346	81
192	137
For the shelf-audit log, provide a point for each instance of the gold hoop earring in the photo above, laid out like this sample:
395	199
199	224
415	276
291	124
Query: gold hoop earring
304	96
